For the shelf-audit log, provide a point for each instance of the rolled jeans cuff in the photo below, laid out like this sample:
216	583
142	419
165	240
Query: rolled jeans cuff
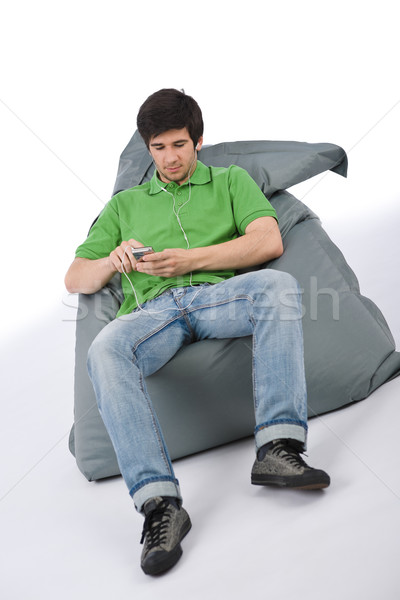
153	489
275	431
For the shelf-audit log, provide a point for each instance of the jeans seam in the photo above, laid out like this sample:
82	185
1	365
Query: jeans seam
156	429
221	303
153	332
184	314
253	365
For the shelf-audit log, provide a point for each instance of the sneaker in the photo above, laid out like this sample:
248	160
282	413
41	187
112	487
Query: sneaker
279	463
165	526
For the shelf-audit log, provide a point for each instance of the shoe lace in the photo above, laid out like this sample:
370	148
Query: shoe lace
156	524
288	454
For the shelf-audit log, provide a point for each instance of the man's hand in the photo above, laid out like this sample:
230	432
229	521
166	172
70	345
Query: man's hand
261	242
171	262
87	276
122	258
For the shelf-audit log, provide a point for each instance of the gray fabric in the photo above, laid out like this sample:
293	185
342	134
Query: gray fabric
273	165
349	350
203	397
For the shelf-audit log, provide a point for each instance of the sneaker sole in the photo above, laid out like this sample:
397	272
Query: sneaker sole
298	482
171	558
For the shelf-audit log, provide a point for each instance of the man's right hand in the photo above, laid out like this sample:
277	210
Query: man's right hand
87	276
122	258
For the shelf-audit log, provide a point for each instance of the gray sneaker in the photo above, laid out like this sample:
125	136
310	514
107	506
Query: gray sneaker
279	463
165	526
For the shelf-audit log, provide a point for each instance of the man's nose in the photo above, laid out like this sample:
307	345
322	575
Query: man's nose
170	155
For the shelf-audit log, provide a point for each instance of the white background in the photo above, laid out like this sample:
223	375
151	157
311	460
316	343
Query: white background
73	75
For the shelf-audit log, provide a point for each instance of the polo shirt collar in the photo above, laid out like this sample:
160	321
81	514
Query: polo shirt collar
201	176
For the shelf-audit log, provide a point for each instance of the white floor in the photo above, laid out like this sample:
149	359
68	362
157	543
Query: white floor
63	537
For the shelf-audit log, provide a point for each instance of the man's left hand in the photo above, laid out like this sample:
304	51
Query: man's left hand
171	262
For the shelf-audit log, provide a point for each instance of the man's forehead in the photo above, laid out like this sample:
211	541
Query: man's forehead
172	136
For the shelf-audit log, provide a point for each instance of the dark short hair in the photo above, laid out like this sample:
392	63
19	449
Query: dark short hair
169	109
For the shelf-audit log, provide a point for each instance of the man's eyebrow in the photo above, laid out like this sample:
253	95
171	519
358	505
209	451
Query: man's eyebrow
155	144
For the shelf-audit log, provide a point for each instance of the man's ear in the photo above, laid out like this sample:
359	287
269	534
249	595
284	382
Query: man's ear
199	143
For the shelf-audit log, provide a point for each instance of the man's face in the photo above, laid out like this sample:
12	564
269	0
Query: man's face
174	155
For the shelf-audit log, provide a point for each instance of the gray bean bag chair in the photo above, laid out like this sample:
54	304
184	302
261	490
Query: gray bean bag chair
203	396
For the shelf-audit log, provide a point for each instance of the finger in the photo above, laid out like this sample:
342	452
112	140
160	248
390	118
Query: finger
135	243
153	256
126	259
115	258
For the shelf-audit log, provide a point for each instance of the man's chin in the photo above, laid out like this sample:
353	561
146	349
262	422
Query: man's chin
174	177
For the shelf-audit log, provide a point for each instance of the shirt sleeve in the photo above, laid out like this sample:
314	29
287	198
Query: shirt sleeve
248	201
104	235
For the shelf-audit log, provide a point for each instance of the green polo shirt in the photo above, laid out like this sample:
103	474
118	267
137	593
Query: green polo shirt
216	207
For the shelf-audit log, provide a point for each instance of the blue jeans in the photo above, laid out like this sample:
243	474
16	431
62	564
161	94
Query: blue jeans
265	304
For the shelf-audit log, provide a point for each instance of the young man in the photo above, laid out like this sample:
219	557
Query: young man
203	223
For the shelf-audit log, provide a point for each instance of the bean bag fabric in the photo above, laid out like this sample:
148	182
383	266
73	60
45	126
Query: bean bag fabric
203	396
274	165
